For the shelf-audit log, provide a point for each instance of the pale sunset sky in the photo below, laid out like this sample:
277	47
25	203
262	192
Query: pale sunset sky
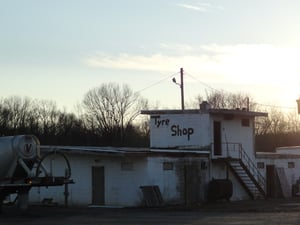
60	49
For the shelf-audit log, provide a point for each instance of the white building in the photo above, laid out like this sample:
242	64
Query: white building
190	151
282	171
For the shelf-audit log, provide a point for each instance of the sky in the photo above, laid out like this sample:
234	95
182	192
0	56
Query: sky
58	50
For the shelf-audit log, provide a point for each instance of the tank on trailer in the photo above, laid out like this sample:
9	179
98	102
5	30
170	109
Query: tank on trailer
21	167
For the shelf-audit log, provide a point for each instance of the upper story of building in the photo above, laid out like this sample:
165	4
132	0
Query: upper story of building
203	129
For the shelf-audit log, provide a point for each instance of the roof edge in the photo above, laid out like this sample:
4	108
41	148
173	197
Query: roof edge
207	111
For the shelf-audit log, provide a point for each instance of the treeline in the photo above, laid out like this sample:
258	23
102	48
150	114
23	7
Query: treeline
55	127
107	117
278	129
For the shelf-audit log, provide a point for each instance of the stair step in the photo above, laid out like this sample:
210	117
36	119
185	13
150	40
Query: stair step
246	179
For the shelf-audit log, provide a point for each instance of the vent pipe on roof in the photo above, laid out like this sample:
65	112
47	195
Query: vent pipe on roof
204	106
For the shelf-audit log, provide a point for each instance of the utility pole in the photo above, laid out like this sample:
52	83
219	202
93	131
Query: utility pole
181	87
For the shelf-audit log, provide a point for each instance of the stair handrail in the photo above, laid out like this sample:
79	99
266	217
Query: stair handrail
251	166
236	150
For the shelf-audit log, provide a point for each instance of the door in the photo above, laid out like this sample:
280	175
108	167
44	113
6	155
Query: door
274	189
192	182
271	176
217	138
98	186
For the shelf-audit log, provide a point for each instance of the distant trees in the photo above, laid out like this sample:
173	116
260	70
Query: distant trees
108	117
220	99
16	114
111	109
278	129
39	117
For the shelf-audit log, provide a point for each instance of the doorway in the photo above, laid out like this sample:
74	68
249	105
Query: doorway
192	184
98	190
217	138
274	189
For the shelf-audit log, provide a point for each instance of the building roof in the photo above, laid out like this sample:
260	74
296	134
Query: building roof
240	112
289	148
276	155
121	151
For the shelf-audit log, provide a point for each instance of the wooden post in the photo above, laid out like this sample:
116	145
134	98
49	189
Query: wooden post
182	89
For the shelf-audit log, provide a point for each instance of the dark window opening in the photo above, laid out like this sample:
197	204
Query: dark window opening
245	122
168	166
260	165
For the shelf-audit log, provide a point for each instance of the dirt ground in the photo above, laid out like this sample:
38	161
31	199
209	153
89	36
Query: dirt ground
284	211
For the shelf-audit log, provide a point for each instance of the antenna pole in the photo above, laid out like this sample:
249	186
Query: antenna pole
182	90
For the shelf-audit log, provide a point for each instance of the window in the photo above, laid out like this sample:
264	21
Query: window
203	165
245	122
291	164
127	166
260	165
168	166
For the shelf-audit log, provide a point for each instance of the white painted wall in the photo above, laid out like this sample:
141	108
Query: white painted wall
233	132
196	130
79	192
292	174
175	130
167	180
122	187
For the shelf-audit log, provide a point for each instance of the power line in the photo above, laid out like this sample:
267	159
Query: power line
265	105
157	82
275	106
204	84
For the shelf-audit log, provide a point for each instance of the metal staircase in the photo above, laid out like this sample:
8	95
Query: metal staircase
244	169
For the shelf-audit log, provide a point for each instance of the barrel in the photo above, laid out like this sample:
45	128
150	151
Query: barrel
220	189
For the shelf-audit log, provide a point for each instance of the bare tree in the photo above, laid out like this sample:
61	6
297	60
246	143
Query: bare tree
220	99
293	122
17	112
275	124
111	108
47	116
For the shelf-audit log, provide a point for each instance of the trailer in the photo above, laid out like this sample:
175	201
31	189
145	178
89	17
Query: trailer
22	167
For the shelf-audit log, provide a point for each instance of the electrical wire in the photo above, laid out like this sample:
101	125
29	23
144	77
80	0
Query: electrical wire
204	84
208	86
265	105
157	82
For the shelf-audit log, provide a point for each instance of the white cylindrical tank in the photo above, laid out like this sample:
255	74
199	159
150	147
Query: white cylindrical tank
26	147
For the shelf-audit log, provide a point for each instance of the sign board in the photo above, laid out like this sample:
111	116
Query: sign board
179	130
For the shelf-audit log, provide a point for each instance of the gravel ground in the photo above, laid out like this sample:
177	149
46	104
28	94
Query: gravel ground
284	211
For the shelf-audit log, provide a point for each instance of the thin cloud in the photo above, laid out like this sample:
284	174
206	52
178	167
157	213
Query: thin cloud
154	62
201	7
265	64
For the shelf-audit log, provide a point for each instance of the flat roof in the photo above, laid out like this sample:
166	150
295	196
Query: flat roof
207	111
121	151
276	155
288	148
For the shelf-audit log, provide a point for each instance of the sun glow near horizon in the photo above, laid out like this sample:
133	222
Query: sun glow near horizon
272	73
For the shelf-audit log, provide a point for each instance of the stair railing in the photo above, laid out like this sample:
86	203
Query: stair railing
236	151
251	167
